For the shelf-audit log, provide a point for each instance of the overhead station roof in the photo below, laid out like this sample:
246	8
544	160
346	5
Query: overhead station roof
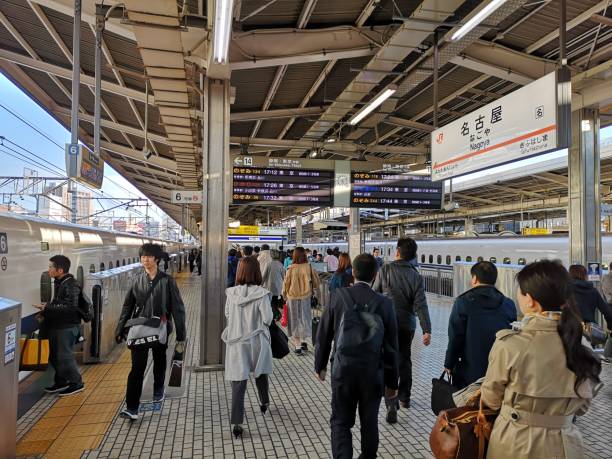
300	70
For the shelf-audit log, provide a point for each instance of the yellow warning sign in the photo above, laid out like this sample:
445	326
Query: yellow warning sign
536	231
244	230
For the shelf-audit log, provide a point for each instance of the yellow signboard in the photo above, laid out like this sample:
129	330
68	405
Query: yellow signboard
536	231
244	230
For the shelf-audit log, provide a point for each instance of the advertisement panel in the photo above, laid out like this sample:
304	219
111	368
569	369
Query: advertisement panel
522	124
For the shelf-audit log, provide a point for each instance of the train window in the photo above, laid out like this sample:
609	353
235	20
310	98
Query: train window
507	261
439	258
80	276
45	287
101	266
118	264
431	258
92	268
468	259
110	265
493	260
123	264
422	258
448	259
479	259
522	261
458	258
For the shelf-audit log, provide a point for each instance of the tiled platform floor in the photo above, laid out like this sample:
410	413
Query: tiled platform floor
297	425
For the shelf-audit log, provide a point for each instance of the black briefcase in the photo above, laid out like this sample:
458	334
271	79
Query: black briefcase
278	341
442	390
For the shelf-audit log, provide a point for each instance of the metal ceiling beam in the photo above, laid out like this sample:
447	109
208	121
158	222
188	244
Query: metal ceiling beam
128	152
554	178
517	191
603	20
474	198
276	114
397	121
290	60
582	17
491	70
142	167
66	73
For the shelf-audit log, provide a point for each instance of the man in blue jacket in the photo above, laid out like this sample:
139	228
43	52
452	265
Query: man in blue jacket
476	317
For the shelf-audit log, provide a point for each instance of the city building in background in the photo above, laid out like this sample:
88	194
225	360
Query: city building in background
55	204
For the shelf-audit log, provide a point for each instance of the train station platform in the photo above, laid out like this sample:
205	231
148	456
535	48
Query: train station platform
195	423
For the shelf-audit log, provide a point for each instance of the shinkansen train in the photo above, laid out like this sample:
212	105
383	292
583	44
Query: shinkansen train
27	243
515	250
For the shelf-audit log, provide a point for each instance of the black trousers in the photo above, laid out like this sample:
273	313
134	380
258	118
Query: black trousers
61	355
136	376
359	393
238	391
404	338
191	266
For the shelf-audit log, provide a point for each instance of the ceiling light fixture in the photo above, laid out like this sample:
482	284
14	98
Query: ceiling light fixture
378	100
222	29
477	19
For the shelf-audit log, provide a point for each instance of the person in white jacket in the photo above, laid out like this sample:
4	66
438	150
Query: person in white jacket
247	338
272	276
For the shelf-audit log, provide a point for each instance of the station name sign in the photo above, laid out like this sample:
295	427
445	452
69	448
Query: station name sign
326	183
528	122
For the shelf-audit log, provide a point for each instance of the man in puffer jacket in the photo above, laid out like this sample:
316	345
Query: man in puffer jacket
61	326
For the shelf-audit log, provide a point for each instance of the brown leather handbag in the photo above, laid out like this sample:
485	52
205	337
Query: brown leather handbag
462	433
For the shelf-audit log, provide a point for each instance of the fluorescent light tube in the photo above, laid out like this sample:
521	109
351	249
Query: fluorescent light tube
365	111
477	19
222	29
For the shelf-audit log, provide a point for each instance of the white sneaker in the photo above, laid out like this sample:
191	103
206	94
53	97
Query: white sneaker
133	416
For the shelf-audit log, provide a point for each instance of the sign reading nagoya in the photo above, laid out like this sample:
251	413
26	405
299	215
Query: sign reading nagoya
516	126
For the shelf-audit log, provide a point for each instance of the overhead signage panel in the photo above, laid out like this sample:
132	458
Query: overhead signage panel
524	123
394	190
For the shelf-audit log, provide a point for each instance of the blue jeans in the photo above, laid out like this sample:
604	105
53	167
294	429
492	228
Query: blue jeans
61	355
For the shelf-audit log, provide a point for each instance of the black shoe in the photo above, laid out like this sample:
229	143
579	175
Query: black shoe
72	389
237	431
305	347
264	408
56	388
392	414
405	403
159	396
299	351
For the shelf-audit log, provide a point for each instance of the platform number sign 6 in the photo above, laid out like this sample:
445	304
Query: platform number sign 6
178	197
3	243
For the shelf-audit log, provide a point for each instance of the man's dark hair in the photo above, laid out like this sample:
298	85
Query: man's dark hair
151	250
365	267
485	272
61	262
247	250
407	248
256	249
232	252
330	252
265	247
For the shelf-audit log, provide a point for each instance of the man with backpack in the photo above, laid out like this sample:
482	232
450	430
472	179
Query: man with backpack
364	365
61	325
150	306
403	285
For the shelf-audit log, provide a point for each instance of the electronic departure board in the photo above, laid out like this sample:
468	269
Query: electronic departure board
297	187
394	190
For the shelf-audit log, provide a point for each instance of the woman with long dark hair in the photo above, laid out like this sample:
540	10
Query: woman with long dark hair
247	339
343	277
587	297
540	376
298	288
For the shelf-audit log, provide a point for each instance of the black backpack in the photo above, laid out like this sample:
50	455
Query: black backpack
85	307
359	338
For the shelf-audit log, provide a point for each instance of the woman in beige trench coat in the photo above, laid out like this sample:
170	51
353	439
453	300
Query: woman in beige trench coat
540	376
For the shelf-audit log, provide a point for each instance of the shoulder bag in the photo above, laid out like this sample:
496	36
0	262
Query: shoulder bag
462	433
594	333
278	341
145	329
442	390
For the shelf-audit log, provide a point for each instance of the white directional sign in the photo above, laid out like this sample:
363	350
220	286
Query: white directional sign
521	124
186	197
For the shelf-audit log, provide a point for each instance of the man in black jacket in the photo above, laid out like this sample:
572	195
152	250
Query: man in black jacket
476	317
61	326
401	282
357	382
165	301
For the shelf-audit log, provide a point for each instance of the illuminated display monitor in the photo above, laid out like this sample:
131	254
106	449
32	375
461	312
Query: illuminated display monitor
291	186
394	191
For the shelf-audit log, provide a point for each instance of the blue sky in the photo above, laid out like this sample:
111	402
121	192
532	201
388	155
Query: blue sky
17	132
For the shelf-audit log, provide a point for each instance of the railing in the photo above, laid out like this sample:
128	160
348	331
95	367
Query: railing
437	280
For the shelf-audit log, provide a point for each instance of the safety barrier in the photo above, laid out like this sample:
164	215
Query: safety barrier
437	280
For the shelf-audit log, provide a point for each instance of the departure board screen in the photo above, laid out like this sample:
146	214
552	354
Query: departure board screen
291	186
394	191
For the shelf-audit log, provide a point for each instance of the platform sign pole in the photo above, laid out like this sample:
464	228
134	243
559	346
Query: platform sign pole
215	214
74	112
584	198
354	234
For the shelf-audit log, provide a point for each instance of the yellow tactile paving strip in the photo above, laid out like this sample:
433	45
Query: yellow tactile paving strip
78	423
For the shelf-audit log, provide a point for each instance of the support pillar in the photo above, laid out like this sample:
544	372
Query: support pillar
354	234
217	183
468	227
584	197
298	229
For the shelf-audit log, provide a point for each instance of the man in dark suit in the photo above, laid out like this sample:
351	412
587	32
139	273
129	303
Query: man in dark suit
362	370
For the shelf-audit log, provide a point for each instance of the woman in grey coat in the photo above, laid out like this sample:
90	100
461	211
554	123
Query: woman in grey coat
247	339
